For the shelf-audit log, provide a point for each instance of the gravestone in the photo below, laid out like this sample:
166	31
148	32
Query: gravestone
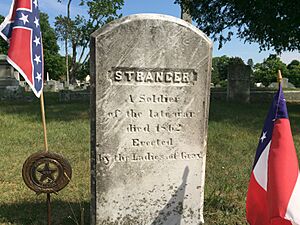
238	86
150	81
9	85
7	78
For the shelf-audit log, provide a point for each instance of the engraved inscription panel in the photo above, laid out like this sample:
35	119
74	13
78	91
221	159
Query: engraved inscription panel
150	98
153	76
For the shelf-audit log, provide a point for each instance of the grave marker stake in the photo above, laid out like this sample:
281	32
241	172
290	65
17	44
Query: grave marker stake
48	201
43	172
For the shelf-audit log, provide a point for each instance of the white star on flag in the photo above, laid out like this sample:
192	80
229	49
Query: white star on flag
35	2
37	59
38	76
263	137
24	18
37	41
36	22
21	29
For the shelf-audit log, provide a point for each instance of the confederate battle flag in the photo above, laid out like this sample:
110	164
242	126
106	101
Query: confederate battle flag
274	189
21	28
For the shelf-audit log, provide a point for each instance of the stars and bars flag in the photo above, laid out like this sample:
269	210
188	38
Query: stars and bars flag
274	189
21	28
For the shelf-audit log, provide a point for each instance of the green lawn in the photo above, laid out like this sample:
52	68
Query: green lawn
234	130
20	136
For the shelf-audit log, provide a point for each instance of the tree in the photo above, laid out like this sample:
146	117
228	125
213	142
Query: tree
272	24
293	64
294	72
3	43
77	31
64	36
266	72
220	68
53	61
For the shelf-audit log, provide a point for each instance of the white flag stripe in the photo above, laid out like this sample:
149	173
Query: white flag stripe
293	209
260	170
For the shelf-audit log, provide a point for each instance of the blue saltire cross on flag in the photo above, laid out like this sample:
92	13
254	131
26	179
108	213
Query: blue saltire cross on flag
21	28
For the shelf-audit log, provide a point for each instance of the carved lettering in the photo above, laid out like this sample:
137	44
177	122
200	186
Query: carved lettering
107	159
133	114
166	114
132	128
169	76
154	99
152	143
169	127
116	113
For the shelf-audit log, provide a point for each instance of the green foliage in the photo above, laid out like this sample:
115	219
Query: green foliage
236	60
272	24
3	43
294	72
266	72
293	64
48	32
220	68
77	30
54	63
84	70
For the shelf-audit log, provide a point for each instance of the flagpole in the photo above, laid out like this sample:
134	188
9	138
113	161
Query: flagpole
44	122
48	202
279	77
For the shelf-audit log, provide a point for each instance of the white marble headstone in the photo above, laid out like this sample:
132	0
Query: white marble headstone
150	81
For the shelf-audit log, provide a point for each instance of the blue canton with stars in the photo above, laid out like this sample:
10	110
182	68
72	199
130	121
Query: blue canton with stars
29	19
277	110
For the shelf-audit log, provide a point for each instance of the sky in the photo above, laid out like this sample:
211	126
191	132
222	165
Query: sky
234	48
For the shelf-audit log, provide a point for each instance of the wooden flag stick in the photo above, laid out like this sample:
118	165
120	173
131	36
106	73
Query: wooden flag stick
279	77
48	201
44	122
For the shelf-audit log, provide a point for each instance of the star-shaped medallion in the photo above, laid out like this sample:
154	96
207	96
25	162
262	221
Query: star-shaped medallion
47	173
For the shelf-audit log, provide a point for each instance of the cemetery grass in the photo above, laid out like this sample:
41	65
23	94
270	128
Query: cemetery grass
21	134
234	130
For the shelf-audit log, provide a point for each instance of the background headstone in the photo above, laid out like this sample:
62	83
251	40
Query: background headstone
7	77
238	86
150	81
284	84
9	85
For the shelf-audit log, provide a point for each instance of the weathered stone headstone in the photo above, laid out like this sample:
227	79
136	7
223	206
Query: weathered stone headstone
150	81
9	85
238	86
6	74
